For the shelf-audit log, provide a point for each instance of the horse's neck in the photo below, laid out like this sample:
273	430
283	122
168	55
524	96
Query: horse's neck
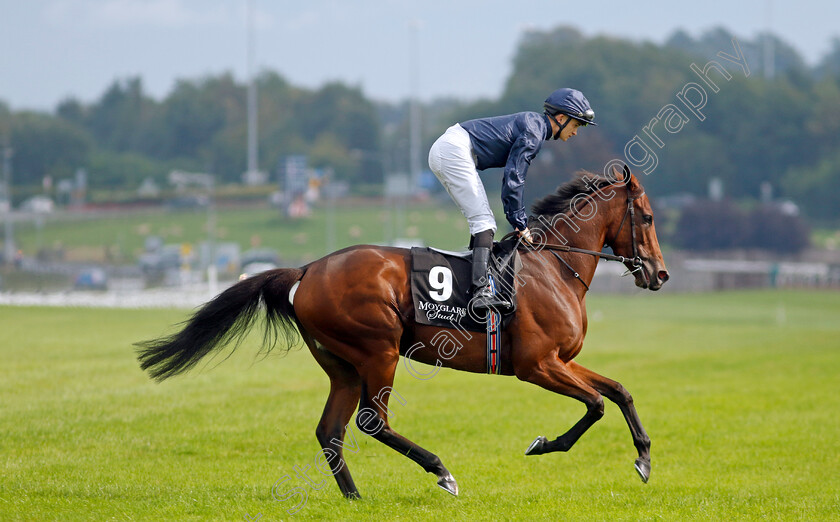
588	234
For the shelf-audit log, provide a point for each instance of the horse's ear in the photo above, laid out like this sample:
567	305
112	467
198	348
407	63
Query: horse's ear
631	180
625	176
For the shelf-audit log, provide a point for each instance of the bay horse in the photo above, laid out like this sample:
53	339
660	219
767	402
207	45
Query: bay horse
354	311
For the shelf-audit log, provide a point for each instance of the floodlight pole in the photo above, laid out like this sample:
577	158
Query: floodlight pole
252	94
769	50
212	269
414	106
9	238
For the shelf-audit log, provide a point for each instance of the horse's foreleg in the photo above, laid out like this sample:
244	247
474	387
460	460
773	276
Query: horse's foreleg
372	419
615	392
345	390
554	375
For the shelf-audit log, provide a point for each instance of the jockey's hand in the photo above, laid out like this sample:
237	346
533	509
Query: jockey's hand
526	236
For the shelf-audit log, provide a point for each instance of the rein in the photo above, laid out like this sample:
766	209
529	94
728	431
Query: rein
636	261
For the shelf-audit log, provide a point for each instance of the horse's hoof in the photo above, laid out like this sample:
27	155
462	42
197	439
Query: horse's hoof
643	469
536	447
352	495
447	482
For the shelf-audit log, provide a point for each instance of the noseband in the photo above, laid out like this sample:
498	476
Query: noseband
636	261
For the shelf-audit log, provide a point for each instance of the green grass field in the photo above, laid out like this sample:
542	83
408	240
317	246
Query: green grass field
738	392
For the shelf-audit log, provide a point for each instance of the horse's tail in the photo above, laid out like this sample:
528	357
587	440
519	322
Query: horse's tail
224	319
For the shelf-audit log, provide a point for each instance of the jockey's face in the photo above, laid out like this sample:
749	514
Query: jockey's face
571	128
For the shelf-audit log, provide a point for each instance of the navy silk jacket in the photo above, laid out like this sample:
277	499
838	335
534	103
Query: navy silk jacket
509	141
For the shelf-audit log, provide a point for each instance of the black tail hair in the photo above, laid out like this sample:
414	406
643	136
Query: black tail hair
226	318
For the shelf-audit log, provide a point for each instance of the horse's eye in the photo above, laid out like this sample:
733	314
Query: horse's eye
647	218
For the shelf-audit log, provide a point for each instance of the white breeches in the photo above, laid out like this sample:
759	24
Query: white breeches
451	159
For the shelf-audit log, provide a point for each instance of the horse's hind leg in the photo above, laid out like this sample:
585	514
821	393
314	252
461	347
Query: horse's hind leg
615	392
345	389
552	374
377	380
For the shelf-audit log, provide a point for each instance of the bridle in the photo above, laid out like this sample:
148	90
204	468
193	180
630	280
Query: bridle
635	261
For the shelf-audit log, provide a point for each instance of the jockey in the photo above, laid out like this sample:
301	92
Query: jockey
509	141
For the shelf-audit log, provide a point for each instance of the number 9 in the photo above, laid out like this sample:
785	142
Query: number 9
440	278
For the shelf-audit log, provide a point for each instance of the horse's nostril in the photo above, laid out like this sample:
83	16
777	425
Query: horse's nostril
663	275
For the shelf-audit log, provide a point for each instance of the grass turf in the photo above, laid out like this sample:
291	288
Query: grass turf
736	390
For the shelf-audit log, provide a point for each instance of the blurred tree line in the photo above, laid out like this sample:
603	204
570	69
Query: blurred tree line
779	128
126	136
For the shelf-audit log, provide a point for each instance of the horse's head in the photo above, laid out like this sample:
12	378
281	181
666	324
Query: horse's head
632	234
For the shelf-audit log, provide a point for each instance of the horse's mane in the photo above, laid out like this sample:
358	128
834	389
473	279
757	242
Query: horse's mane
560	202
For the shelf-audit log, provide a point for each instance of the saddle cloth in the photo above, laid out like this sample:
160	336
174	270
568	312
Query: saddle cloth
440	284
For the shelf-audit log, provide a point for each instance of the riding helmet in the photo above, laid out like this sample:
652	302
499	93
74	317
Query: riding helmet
572	103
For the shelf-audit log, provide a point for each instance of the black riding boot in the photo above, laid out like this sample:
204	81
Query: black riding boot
483	297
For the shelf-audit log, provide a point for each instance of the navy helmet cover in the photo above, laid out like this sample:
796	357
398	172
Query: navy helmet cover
572	103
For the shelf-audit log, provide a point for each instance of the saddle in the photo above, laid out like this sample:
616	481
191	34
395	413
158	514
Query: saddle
440	285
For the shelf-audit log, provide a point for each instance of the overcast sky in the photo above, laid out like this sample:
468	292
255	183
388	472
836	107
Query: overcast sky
54	49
